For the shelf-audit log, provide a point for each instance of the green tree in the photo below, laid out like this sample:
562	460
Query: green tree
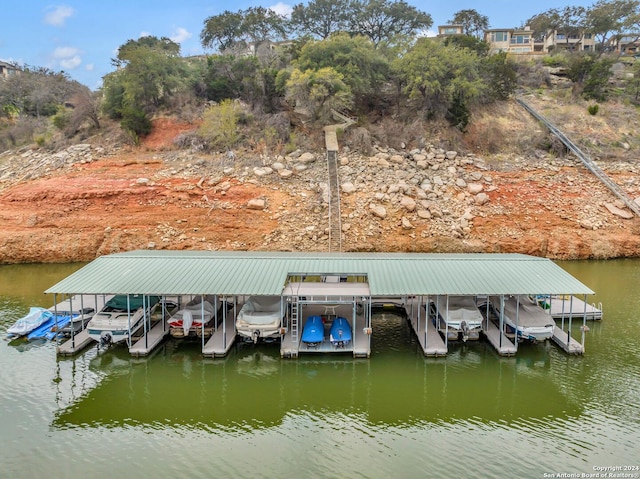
473	23
220	125
236	29
360	65
607	18
321	18
383	21
317	92
440	77
150	72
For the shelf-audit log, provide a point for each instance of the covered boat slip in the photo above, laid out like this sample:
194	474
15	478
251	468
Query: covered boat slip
321	283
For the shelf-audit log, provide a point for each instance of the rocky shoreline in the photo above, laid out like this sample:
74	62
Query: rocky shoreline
424	199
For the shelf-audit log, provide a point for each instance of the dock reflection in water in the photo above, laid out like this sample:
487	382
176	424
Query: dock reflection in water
254	388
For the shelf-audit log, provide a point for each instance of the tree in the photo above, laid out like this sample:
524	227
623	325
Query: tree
441	77
473	23
234	30
360	65
150	72
610	17
570	21
321	18
384	20
317	92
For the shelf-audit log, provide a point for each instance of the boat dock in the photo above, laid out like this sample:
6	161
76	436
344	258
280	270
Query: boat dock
566	342
360	345
79	339
222	338
566	306
502	344
430	340
149	341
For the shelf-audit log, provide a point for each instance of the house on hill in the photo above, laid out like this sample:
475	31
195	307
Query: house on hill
7	69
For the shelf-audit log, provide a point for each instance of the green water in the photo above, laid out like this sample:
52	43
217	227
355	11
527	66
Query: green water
252	414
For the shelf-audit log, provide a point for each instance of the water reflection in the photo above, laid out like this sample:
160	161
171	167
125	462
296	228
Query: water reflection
255	388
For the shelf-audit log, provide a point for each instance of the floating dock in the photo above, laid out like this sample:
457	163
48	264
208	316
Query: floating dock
149	341
428	336
222	339
566	306
566	342
79	340
502	344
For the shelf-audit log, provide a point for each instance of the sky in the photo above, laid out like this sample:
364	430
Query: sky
81	37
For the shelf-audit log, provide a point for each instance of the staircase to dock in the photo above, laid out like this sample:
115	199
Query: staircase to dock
586	160
331	141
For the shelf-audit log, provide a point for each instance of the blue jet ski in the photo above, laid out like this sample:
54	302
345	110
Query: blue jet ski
340	333
313	331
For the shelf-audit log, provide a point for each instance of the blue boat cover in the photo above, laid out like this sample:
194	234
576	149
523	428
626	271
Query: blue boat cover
313	331
340	332
50	328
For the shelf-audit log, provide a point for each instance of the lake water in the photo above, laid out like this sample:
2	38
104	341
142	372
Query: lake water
252	414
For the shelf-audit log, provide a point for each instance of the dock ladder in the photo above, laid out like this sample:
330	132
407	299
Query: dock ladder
588	162
294	324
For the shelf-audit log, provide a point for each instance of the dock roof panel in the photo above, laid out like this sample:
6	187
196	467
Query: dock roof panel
265	273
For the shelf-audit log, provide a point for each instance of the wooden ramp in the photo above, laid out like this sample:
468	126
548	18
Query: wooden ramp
221	340
147	343
75	344
430	340
493	334
566	342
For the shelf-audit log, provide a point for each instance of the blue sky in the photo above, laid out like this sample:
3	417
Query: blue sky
81	37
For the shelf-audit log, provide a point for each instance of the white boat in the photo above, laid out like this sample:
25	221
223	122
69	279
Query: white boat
260	318
531	321
459	318
189	320
121	318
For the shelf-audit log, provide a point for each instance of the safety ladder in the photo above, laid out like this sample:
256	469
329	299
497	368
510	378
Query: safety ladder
294	322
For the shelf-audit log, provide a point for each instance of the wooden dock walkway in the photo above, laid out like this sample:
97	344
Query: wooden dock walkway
430	340
221	340
566	342
572	308
75	344
504	347
148	342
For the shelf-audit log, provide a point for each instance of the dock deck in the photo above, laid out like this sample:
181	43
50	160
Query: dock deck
75	344
566	342
494	335
571	307
360	346
79	339
221	340
148	342
430	340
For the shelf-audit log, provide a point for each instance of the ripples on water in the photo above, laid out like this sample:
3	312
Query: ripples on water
398	414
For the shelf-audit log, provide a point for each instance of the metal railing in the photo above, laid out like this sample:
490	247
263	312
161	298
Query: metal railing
588	162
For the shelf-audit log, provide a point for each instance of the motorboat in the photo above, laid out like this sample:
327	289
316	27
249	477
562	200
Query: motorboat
260	318
190	320
121	318
340	332
313	331
35	318
457	318
526	316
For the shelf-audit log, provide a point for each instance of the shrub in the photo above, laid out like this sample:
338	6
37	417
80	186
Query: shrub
136	123
593	109
219	125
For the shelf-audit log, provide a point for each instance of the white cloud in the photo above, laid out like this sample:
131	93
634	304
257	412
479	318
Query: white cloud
56	16
89	67
67	57
282	9
180	35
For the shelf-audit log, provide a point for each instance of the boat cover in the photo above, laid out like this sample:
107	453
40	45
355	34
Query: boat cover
340	332
25	325
260	310
119	302
313	331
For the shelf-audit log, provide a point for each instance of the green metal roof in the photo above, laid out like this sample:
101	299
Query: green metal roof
265	273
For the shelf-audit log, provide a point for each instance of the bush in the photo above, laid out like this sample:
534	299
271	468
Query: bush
593	109
135	123
220	125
